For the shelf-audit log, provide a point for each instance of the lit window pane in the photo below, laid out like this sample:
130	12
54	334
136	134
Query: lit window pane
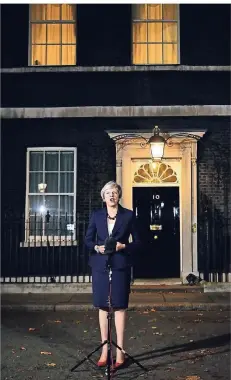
170	32
53	12
52	204
54	34
155	54
36	203
51	161
38	33
155	32
154	11
68	12
140	32
170	11
35	225
140	54
64	225
36	161
38	12
66	204
68	34
139	11
53	227
34	180
53	54
51	179
68	55
38	55
170	54
66	161
66	182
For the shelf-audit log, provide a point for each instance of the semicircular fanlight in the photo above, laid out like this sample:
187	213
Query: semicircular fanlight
155	173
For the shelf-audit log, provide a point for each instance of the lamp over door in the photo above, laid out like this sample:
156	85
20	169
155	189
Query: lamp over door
157	144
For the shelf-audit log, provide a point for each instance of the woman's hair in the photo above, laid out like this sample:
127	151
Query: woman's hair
111	185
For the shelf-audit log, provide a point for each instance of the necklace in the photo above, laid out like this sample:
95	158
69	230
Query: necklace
111	217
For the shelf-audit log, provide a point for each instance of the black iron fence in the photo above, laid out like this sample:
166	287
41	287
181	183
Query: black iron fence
52	249
44	248
213	242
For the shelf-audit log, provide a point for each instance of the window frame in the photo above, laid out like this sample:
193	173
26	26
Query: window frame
53	239
178	39
51	22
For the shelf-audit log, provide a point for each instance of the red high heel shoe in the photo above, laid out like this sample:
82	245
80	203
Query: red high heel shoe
118	365
102	363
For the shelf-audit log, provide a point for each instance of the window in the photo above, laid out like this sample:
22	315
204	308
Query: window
51	193
52	34
155	34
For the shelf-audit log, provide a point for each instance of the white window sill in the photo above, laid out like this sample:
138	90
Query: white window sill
48	242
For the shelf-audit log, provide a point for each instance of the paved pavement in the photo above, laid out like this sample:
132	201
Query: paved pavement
171	345
159	300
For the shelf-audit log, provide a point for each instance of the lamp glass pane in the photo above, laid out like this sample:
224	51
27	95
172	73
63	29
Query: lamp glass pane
157	150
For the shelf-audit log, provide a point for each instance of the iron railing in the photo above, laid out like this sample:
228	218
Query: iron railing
44	249
213	242
53	250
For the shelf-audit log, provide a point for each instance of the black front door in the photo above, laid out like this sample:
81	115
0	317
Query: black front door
158	223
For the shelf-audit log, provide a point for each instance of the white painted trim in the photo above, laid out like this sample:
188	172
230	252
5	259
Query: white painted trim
131	68
53	240
114	111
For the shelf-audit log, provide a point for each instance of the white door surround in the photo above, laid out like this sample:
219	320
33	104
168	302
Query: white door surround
181	156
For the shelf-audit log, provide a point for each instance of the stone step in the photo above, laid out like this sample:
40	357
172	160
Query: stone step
136	288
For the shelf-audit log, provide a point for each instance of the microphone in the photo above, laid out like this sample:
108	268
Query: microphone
110	245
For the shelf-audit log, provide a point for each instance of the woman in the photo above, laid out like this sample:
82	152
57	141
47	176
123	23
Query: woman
117	222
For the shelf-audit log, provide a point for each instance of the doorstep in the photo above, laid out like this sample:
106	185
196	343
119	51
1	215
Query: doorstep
163	285
157	281
168	285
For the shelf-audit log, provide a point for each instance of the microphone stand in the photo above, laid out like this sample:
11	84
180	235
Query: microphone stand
110	367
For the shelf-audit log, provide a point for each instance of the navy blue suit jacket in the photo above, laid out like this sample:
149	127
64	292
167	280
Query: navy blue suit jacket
97	232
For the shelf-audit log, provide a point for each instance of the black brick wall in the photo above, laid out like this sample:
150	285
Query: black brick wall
214	202
104	34
114	89
214	167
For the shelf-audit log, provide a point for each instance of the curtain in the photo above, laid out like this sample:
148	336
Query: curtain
155	32
53	34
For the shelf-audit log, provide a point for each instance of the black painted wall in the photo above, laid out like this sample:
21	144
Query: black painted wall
96	154
104	34
115	88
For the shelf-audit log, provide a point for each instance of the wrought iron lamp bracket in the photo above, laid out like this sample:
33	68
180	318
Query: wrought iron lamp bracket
169	138
129	138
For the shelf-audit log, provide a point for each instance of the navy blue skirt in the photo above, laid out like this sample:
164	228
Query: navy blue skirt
120	288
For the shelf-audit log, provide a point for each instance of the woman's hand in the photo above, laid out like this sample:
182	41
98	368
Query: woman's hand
120	246
101	248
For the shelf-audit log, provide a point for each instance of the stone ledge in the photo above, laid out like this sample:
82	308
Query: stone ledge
114	111
132	68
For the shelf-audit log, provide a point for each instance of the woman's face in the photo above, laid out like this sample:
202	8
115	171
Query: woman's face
111	196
